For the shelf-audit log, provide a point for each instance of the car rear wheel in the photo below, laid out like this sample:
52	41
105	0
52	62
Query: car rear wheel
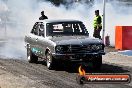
50	61
32	58
97	62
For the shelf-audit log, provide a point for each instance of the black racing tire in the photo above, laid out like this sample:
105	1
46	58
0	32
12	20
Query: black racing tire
97	62
32	58
50	61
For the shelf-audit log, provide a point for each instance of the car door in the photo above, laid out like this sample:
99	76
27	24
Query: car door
33	38
41	40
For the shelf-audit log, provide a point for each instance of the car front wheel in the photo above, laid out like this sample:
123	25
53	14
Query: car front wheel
50	61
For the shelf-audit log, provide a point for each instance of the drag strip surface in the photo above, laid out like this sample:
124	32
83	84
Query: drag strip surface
60	77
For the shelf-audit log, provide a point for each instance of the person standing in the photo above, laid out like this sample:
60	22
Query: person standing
43	17
97	25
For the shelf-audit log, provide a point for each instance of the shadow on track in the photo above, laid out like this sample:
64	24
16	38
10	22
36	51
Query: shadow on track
73	68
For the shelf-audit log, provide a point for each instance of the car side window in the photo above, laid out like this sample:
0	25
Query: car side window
35	29
41	29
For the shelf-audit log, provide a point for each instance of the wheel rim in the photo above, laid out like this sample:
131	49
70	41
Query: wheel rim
49	61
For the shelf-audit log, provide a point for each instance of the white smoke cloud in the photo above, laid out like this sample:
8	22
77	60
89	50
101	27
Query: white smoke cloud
3	7
24	13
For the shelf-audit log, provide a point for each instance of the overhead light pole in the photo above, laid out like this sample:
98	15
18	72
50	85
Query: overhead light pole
103	34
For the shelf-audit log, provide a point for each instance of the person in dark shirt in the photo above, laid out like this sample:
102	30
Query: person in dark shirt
43	17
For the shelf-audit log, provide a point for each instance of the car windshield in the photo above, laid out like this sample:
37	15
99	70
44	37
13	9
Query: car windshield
66	28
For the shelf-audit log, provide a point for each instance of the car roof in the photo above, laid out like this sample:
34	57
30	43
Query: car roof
58	20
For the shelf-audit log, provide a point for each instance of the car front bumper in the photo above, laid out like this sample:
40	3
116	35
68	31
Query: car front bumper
77	56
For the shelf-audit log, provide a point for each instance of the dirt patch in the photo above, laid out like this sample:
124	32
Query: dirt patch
8	80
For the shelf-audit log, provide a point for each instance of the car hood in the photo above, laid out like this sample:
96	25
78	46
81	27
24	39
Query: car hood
75	40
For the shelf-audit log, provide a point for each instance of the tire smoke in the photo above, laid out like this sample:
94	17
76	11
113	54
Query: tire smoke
18	17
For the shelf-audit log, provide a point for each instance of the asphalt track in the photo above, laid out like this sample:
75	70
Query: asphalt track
61	77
